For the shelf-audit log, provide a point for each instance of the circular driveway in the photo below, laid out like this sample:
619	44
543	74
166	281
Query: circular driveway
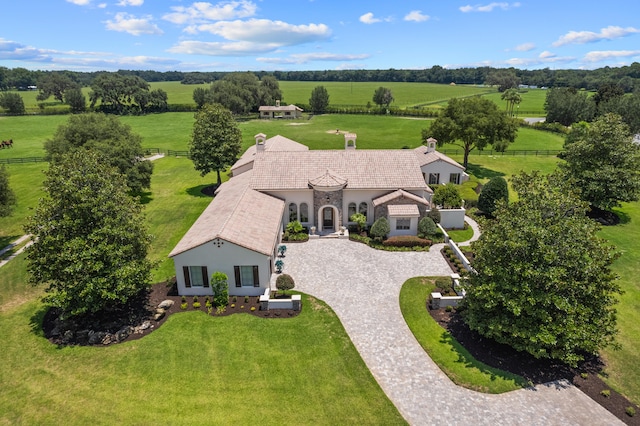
362	286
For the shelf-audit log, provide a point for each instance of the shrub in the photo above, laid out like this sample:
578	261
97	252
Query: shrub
253	308
196	305
434	214
427	227
359	219
220	288
443	284
380	229
221	310
406	241
195	299
183	306
281	250
606	393
184	299
630	411
209	309
294	227
233	305
246	299
494	191
447	196
448	308
285	282
584	376
279	265
359	238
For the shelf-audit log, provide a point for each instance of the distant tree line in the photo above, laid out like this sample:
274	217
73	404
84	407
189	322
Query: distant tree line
627	77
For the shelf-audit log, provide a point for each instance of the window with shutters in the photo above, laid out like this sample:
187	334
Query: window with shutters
434	178
247	276
195	276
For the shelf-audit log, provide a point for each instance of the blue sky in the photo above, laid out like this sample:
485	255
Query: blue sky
238	35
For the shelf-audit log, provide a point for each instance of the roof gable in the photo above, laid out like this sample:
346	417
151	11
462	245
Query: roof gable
275	143
425	157
239	215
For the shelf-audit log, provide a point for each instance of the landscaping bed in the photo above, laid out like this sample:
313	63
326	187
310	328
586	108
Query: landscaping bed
139	317
585	376
452	260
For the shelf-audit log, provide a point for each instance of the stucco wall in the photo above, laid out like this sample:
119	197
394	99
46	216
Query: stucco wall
223	259
413	229
452	218
445	169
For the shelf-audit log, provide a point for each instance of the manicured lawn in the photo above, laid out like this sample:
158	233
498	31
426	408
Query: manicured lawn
532	104
622	366
444	350
460	235
195	369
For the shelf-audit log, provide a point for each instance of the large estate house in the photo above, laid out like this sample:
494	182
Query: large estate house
278	180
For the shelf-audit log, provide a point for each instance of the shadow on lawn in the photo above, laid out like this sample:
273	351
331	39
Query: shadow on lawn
482	172
202	191
5	241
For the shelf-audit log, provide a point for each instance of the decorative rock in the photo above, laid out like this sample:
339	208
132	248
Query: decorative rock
166	304
82	336
160	311
95	338
158	316
108	339
68	335
144	325
123	333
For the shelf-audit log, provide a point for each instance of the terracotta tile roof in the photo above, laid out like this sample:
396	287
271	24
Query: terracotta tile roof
403	210
425	157
239	215
399	194
363	169
275	143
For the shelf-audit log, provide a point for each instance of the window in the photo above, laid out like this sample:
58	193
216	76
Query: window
351	210
454	178
304	212
362	208
293	212
195	276
247	276
434	178
403	223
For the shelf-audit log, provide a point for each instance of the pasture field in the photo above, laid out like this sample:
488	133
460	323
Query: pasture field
532	104
171	206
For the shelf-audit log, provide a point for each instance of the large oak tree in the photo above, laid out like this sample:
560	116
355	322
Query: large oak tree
543	281
472	123
90	240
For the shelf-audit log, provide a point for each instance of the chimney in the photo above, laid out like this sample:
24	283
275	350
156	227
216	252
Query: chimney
350	140
431	144
278	103
260	142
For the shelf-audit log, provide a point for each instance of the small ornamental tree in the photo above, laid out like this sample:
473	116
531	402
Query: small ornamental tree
284	282
294	227
383	97
7	196
380	229
360	220
447	196
12	102
492	192
220	287
544	283
90	238
427	227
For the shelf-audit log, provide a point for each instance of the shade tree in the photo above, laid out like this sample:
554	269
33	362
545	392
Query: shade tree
7	196
319	100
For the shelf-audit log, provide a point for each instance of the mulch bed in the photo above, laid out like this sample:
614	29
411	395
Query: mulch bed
535	370
141	311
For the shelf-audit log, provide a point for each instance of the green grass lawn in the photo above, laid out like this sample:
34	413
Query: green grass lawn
444	350
195	369
532	104
460	235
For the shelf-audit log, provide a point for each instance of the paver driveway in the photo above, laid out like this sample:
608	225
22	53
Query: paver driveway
362	286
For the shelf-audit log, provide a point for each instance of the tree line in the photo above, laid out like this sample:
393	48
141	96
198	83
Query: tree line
628	76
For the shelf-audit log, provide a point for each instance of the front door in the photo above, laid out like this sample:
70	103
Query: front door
327	218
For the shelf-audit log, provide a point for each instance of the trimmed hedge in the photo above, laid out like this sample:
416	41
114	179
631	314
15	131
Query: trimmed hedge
406	241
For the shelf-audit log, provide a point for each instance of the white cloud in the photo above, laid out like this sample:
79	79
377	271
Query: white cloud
241	48
102	5
525	47
547	55
488	7
582	37
604	55
132	25
130	2
200	12
368	18
303	58
265	31
416	16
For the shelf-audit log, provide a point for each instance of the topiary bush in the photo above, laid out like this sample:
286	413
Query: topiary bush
427	227
494	191
285	282
380	229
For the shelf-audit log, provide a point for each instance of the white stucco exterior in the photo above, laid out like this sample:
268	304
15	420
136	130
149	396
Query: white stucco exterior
222	256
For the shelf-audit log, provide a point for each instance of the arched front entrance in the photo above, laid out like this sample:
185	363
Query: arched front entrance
328	219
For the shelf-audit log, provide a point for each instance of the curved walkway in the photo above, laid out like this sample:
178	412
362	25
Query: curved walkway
476	231
362	286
